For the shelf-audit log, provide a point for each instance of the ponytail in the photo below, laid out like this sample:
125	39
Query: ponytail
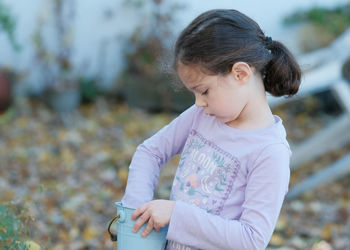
282	74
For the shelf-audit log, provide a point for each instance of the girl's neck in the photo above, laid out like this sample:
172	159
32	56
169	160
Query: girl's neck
256	114
261	120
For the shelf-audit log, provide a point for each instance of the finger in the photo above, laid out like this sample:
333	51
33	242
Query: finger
156	226
140	221
148	228
140	210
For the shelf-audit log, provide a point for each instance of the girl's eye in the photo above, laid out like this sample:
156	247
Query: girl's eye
205	92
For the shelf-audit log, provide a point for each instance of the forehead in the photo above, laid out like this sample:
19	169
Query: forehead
190	74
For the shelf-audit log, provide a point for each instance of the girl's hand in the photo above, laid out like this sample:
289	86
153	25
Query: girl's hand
156	212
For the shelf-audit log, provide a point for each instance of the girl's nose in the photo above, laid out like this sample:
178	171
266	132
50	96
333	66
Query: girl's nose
200	100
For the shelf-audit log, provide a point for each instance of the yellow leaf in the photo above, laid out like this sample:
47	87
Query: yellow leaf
123	175
64	236
32	245
44	156
59	247
107	119
89	233
74	233
277	240
21	122
281	223
327	232
67	156
6	195
68	213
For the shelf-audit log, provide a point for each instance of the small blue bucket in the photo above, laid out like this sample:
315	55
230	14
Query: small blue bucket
128	240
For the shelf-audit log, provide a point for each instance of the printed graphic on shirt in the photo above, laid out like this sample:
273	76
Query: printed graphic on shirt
205	174
172	245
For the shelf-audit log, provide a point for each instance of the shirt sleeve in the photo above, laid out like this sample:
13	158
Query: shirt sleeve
152	154
267	184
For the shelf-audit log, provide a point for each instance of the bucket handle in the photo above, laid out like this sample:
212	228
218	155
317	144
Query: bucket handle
114	237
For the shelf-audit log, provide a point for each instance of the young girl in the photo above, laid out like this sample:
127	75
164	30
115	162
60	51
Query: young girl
234	168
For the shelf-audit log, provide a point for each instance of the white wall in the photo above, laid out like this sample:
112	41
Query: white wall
267	13
100	24
98	28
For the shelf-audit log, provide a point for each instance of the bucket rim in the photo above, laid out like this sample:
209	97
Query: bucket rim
120	204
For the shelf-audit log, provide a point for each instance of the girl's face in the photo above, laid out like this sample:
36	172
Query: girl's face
224	97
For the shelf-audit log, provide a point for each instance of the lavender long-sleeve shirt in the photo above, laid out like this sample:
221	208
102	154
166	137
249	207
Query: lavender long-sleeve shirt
229	186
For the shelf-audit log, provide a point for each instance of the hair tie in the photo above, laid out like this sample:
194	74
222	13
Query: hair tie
268	41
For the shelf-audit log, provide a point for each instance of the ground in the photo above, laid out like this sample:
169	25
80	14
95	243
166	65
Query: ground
66	172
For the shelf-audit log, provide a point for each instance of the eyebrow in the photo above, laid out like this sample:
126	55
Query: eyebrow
193	88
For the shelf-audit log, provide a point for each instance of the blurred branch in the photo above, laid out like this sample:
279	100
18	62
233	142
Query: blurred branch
56	63
144	83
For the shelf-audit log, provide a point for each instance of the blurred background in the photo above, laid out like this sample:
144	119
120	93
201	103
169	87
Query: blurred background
82	83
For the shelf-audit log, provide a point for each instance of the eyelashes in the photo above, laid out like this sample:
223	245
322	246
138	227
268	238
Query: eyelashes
205	92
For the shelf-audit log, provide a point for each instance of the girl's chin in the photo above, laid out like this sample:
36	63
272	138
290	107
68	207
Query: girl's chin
222	119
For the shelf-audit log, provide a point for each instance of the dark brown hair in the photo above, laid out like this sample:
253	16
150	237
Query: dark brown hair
217	39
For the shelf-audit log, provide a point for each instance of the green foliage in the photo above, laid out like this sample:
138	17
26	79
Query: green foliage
335	20
8	24
89	90
12	227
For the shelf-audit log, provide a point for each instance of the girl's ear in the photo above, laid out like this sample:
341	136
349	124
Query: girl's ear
241	71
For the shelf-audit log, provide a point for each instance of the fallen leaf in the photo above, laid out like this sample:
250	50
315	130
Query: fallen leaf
123	175
327	232
89	233
277	240
323	245
32	245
